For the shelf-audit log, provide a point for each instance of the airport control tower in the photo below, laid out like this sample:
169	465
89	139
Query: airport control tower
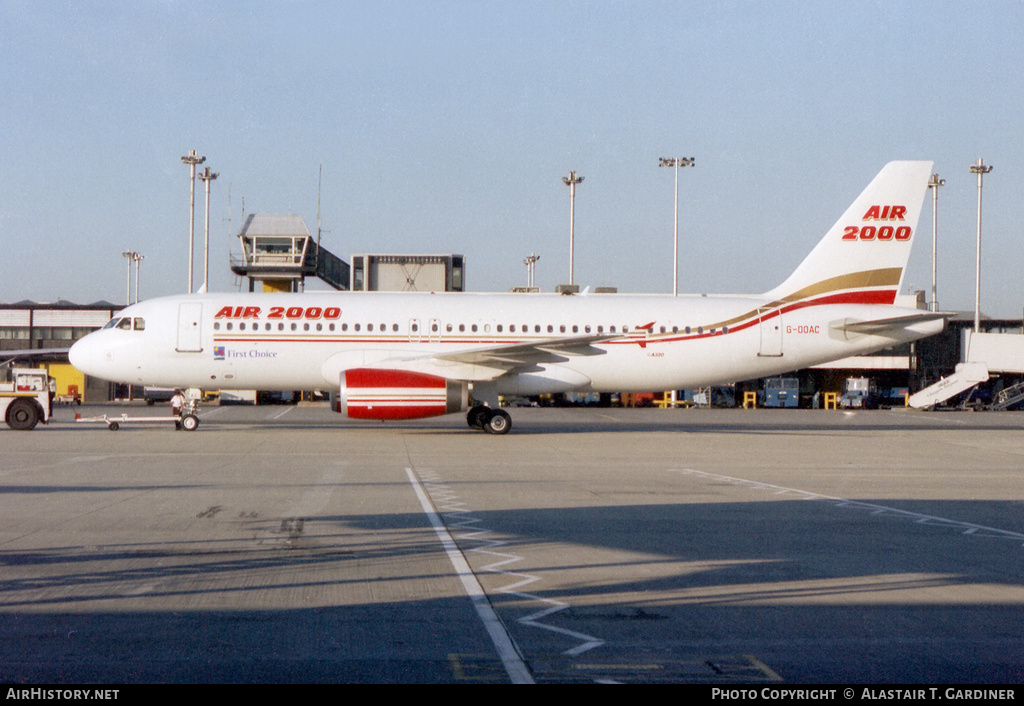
279	252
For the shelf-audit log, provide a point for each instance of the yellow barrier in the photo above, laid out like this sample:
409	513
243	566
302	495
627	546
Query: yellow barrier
749	400
831	400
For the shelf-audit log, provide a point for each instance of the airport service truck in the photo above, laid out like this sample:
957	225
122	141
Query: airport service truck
25	398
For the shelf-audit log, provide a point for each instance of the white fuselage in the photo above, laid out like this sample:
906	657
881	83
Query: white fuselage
404	356
645	343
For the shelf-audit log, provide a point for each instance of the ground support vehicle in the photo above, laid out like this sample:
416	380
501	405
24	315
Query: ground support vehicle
859	393
781	392
188	422
25	399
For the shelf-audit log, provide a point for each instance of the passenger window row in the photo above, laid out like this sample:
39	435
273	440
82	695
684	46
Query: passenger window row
128	323
453	328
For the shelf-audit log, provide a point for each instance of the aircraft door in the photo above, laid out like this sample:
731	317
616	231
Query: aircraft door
190	320
771	332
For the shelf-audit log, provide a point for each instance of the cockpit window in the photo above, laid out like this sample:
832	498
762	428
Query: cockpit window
127	323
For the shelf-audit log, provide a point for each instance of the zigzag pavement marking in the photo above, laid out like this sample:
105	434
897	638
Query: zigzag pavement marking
460	520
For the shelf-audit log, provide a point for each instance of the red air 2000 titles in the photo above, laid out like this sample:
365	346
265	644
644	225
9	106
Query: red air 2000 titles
880	213
279	312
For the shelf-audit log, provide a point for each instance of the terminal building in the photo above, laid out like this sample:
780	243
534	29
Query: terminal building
48	330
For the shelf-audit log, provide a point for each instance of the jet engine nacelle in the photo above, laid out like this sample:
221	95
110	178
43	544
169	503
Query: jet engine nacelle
369	393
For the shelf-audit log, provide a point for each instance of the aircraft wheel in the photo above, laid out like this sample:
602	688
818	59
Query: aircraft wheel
22	415
477	416
189	422
498	423
114	426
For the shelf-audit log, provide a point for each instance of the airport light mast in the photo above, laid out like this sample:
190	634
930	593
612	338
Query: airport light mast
207	176
192	160
981	169
676	162
934	183
128	255
571	181
531	265
138	258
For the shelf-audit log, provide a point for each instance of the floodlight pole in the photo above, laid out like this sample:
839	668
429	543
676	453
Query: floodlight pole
934	183
207	176
128	255
675	162
531	264
192	160
138	258
981	169
571	181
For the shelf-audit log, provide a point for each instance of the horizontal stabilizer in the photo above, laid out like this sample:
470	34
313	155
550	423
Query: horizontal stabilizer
892	323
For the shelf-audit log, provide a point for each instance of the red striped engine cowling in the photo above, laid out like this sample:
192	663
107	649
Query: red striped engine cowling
369	393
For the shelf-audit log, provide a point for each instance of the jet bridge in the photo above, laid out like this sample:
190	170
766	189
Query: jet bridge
279	252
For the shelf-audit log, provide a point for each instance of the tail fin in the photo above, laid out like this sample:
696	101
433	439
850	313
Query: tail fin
863	256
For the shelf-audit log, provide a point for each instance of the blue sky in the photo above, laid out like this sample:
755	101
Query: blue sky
447	127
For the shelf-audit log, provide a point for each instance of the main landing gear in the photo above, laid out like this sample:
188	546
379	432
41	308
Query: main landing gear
493	421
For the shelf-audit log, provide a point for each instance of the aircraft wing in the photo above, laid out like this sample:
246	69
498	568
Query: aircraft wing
552	350
490	362
8	356
880	326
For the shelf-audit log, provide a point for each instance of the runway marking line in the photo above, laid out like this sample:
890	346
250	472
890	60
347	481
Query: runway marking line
517	670
874	509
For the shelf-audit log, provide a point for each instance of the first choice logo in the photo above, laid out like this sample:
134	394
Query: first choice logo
883	233
219	353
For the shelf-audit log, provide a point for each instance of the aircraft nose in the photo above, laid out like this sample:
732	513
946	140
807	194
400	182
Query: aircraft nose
84	355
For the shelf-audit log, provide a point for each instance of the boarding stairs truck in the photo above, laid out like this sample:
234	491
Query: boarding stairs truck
964	377
25	398
986	354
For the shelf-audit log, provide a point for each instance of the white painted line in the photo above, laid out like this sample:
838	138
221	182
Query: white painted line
459	519
917	517
514	665
281	414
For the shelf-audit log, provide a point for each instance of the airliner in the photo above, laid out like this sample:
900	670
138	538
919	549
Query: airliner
398	356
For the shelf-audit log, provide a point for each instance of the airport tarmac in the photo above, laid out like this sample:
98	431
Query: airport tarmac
285	544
